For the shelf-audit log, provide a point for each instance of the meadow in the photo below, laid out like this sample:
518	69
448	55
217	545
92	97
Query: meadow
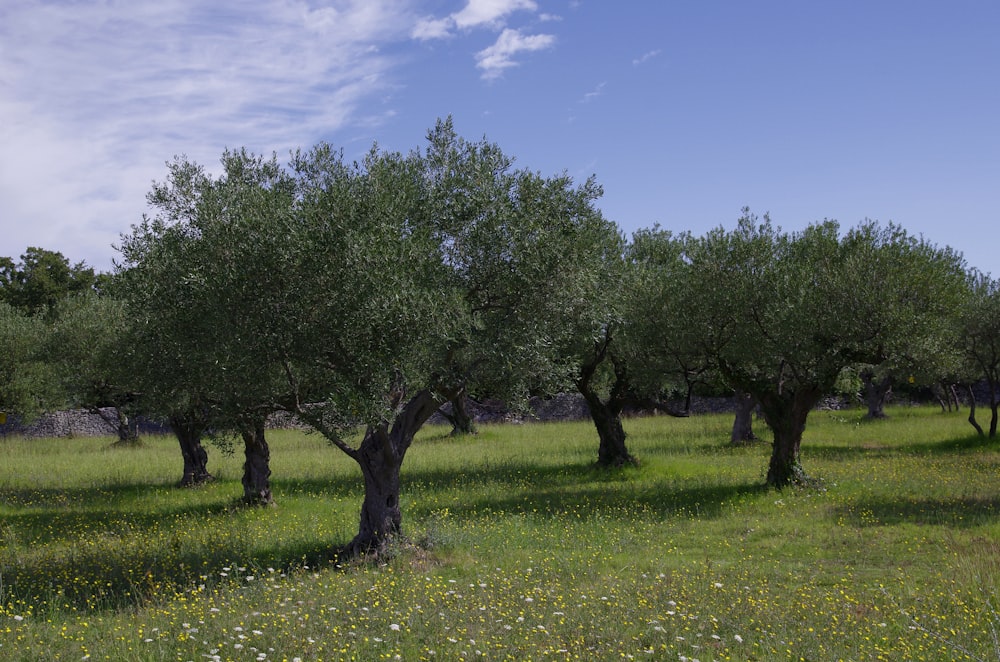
516	548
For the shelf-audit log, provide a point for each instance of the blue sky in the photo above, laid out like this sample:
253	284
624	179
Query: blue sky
685	110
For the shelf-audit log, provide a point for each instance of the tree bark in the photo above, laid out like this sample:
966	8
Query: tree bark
188	433
612	451
877	392
743	422
972	410
994	405
256	467
607	415
786	416
461	422
380	457
126	429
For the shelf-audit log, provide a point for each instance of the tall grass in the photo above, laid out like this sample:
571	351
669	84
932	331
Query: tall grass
518	548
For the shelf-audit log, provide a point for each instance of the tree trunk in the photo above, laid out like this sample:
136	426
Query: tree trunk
380	457
877	392
612	451
461	422
743	423
972	410
994	405
256	467
188	434
126	429
786	416
607	415
380	515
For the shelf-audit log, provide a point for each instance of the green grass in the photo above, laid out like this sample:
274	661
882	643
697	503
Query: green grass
519	549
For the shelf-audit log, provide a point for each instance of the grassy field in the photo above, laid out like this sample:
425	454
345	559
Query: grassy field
517	549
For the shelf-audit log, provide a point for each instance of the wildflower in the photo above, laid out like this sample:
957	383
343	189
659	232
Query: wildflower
394	627
738	638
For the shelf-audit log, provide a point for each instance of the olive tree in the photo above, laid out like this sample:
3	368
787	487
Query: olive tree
783	313
426	275
365	294
980	338
201	279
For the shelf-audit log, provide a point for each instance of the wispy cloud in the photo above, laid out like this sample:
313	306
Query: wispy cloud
593	94
645	57
94	97
500	56
475	14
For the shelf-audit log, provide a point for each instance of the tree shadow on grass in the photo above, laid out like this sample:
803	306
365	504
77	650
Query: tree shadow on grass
953	446
961	512
76	550
102	549
593	501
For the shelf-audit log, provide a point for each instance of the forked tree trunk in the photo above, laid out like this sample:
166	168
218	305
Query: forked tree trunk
126	429
380	515
461	422
786	416
743	422
256	466
612	451
607	417
380	457
877	392
606	414
188	434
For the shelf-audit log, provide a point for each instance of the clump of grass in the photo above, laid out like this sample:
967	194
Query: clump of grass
517	548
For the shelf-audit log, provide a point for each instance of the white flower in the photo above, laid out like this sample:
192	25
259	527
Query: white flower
738	638
394	627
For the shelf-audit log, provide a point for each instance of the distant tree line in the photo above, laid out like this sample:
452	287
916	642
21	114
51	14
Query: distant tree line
361	296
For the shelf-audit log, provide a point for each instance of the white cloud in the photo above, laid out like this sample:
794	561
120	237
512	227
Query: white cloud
489	12
475	14
433	28
645	57
498	57
593	94
106	92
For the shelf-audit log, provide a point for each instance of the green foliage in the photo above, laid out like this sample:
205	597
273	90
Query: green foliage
359	284
42	278
520	550
27	382
85	346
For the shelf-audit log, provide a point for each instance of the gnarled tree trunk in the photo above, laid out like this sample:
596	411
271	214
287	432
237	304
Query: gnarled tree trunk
461	421
612	451
606	414
126	429
877	392
786	416
188	433
380	457
743	422
256	466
